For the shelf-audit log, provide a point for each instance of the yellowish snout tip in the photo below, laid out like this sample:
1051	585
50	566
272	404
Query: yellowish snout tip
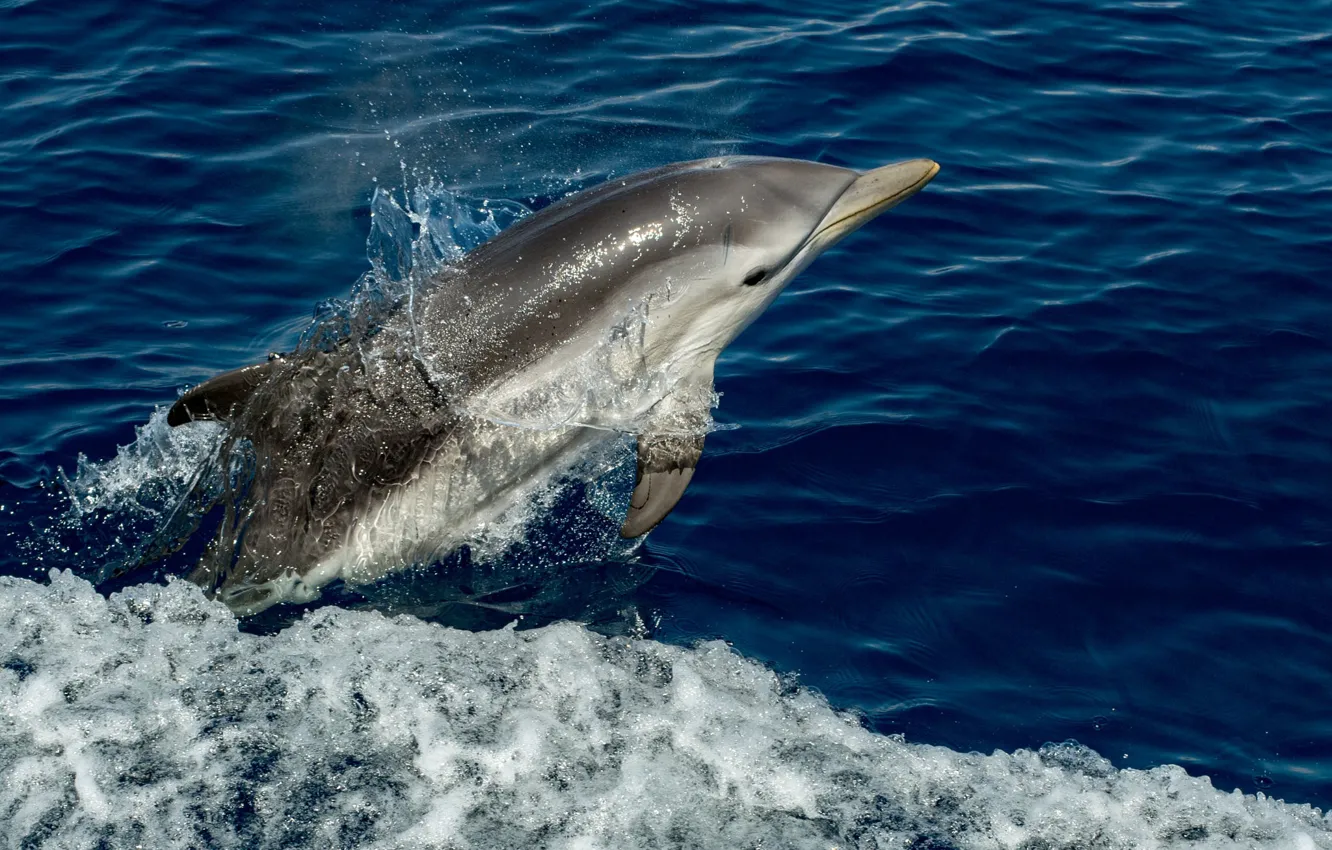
873	192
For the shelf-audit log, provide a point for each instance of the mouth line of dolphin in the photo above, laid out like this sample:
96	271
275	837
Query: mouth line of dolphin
872	193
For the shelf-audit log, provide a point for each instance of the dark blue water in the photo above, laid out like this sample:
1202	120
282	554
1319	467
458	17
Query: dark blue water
1044	454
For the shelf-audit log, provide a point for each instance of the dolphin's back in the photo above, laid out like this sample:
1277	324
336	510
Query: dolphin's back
544	281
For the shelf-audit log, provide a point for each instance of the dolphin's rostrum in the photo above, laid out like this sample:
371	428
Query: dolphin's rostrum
603	313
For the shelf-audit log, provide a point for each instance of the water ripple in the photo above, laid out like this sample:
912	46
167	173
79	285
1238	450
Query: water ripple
1043	454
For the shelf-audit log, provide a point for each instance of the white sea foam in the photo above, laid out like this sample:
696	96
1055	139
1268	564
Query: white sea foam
149	720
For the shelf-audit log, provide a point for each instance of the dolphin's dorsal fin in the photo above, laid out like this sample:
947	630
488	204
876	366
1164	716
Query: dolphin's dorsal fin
665	467
217	397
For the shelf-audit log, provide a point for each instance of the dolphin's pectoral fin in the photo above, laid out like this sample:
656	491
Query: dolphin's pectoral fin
665	467
217	397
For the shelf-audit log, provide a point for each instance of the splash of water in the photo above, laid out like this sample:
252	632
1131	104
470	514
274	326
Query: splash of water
411	244
111	517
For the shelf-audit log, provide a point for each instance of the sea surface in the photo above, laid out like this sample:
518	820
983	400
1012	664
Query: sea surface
1017	534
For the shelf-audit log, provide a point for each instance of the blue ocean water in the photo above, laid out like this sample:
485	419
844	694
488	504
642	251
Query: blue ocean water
1042	455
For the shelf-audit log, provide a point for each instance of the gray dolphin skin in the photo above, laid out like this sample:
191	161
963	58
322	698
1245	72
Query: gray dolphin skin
600	315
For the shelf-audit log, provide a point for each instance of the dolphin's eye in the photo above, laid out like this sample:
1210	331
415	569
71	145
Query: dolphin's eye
755	277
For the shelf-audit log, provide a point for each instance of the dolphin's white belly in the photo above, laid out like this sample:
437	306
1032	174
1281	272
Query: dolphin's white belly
470	482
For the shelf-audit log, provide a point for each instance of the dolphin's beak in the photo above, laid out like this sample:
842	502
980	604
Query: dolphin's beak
871	193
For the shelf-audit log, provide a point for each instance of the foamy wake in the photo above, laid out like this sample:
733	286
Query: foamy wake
149	720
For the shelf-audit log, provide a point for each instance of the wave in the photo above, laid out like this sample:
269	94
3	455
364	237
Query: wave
149	719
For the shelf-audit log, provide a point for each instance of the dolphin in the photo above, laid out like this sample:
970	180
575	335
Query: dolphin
602	314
